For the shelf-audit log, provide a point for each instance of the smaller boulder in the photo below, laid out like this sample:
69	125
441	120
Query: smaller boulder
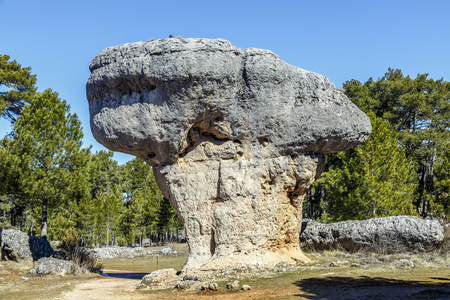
160	279
193	277
167	251
403	264
54	266
191	285
233	285
246	287
191	282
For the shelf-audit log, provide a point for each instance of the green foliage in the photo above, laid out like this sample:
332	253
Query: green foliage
441	204
143	198
371	180
419	111
70	240
48	140
45	172
17	86
167	216
7	175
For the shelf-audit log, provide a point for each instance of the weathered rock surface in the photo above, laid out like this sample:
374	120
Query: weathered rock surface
168	251
118	252
233	285
235	136
53	266
160	279
19	246
380	234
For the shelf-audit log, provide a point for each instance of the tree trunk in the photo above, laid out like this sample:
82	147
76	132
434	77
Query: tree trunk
44	219
309	212
32	227
1	232
107	233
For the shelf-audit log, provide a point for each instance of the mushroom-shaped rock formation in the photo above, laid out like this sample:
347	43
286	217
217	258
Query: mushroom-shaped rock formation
235	137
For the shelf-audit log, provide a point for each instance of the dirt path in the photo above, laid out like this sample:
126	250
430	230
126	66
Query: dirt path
103	288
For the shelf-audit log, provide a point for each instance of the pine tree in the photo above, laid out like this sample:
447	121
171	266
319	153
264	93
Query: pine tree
48	140
11	203
17	86
419	110
143	199
370	180
6	166
103	209
441	203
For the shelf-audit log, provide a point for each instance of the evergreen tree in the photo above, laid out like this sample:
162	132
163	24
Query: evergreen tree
17	86
419	110
370	180
48	140
12	204
6	165
167	218
104	174
112	205
441	203
103	209
143	199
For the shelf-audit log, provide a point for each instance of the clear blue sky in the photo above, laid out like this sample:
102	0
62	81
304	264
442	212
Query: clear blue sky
339	39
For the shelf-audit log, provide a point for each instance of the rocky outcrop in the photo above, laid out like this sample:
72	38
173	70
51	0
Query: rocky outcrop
160	279
54	266
235	137
389	234
19	246
118	252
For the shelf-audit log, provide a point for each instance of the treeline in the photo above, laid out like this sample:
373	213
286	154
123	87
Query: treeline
51	186
404	167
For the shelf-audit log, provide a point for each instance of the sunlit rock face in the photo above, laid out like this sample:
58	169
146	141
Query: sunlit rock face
235	137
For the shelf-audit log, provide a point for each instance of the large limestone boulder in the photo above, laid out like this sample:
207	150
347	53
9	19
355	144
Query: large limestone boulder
391	234
235	137
19	246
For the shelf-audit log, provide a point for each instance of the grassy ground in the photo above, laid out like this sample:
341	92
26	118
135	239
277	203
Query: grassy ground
149	264
144	264
16	284
331	275
339	275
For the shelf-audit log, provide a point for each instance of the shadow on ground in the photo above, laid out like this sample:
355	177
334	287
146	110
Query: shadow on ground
124	275
372	288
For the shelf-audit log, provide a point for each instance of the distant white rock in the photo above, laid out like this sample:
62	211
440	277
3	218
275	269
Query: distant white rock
119	252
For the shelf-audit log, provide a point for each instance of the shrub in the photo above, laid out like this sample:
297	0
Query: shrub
75	250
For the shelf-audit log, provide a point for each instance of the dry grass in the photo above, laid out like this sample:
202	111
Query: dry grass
144	264
15	283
